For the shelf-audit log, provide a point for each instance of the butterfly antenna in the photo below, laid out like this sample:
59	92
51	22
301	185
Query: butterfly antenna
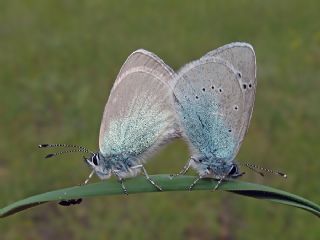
80	148
67	151
258	169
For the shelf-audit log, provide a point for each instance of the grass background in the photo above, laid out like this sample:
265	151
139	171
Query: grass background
58	60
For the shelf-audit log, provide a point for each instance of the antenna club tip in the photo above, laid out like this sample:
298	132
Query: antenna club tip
283	175
49	155
43	145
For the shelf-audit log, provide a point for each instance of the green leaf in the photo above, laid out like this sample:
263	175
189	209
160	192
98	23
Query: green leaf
181	183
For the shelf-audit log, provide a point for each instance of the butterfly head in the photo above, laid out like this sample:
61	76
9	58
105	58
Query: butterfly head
234	171
217	168
97	163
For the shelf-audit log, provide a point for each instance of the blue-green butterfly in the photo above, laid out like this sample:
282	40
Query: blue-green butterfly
138	119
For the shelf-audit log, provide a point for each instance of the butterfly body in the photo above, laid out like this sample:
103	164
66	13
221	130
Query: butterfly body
121	164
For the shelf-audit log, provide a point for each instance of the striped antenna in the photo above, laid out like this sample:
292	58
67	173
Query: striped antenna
63	152
258	169
61	145
80	148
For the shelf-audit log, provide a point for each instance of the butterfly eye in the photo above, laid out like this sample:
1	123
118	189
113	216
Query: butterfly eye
233	170
95	160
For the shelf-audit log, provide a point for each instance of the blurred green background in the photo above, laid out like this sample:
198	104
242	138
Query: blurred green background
58	61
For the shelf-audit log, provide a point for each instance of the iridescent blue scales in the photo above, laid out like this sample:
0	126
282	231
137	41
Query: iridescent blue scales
214	98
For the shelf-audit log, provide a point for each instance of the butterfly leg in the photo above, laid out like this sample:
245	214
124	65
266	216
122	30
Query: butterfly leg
88	179
195	182
183	171
147	176
219	182
79	200
121	181
123	186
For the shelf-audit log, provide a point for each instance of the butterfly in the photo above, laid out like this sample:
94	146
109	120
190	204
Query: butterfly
214	98
138	118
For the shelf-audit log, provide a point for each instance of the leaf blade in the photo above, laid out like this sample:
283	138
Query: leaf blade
181	183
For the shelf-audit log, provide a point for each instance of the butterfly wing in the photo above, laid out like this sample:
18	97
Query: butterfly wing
146	59
139	115
211	104
242	57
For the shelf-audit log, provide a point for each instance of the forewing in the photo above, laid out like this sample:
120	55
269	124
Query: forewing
242	57
210	103
139	115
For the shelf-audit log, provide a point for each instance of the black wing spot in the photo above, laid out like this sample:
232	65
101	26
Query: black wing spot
229	130
212	87
250	85
203	89
220	90
244	86
239	75
197	97
236	107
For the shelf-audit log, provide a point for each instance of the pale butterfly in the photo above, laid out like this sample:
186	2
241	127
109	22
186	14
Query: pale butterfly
138	118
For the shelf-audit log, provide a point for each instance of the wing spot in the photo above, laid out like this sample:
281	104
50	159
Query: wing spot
239	75
203	89
244	86
236	107
197	97
212	87
250	85
220	90
229	130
